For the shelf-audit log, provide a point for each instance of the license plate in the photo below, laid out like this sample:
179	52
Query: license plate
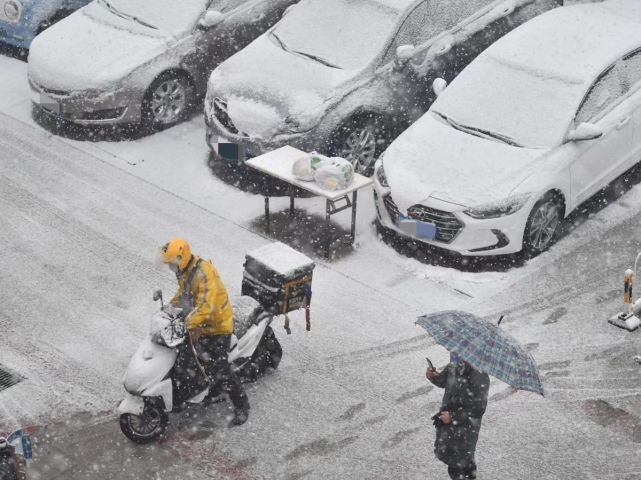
417	228
230	151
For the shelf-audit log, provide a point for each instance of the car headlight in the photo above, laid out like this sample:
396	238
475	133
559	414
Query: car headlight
380	174
300	123
12	10
499	208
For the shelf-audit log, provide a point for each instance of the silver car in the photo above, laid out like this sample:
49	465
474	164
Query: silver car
127	61
345	77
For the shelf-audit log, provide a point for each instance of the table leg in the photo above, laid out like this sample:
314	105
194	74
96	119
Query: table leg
291	201
353	231
328	238
267	214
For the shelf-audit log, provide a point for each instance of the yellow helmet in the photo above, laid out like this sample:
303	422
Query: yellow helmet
176	252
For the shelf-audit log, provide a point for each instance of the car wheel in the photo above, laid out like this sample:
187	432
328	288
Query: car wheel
361	141
543	224
167	101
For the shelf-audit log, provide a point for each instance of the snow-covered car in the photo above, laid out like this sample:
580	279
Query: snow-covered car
22	20
534	126
126	61
344	77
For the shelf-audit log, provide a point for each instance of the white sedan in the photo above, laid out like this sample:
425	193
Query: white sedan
537	124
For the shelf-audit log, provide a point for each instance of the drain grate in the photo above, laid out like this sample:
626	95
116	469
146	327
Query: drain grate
8	378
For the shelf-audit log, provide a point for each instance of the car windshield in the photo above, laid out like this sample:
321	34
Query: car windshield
176	18
507	101
345	34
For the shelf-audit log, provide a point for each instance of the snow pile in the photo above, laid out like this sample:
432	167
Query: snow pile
253	118
281	258
433	159
347	35
92	48
175	18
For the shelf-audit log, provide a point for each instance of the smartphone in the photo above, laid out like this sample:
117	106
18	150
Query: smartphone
430	365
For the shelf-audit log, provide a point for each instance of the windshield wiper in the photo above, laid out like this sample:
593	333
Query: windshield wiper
280	42
475	130
117	12
318	59
143	23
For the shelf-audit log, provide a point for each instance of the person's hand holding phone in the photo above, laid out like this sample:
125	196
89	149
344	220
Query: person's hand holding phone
431	372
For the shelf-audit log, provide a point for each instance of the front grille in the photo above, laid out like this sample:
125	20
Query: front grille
447	224
60	93
220	111
107	114
392	209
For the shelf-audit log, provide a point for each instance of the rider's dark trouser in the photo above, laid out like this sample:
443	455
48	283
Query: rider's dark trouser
214	350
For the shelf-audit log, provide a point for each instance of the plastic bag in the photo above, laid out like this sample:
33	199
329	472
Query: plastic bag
306	165
335	175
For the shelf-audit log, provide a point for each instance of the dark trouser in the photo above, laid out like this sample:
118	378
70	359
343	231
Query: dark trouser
213	351
462	473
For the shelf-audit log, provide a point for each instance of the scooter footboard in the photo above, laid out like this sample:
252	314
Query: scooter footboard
248	342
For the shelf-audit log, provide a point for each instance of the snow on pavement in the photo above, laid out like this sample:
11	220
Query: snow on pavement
349	398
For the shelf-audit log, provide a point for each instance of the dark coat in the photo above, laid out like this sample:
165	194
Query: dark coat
465	398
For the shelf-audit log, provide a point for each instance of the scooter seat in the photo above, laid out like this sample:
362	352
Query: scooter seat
246	313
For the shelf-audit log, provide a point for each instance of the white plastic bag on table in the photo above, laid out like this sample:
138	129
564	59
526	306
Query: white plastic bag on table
336	175
306	165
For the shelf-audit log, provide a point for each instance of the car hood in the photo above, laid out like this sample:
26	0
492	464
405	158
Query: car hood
91	50
270	84
432	160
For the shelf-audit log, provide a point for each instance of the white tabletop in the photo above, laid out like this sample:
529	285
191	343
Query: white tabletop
278	163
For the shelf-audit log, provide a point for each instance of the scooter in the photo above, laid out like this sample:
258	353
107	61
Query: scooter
156	385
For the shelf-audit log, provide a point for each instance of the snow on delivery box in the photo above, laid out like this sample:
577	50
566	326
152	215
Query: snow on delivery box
280	278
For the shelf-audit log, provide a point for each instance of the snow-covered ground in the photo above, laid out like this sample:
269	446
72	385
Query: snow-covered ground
80	223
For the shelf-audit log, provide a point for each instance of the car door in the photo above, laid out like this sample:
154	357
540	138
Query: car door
244	21
212	44
597	162
631	65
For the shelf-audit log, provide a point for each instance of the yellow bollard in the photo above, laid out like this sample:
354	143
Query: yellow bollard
627	289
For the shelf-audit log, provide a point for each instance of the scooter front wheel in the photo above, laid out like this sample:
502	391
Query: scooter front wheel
147	427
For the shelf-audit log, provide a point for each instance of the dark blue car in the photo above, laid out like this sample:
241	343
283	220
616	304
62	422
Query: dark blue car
22	20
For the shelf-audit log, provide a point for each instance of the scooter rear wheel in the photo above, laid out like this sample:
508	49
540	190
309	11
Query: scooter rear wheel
147	427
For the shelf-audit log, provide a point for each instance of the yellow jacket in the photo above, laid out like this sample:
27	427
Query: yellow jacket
212	310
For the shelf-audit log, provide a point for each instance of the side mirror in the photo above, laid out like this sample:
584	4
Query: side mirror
211	18
585	131
404	54
438	85
158	296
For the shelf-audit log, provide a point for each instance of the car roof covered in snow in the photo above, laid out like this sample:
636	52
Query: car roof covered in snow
574	43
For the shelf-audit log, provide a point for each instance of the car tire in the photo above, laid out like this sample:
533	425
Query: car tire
543	224
167	101
361	140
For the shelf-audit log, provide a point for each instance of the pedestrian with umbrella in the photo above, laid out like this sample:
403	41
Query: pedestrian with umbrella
477	349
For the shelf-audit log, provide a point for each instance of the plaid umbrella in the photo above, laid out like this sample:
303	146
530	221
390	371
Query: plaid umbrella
484	346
